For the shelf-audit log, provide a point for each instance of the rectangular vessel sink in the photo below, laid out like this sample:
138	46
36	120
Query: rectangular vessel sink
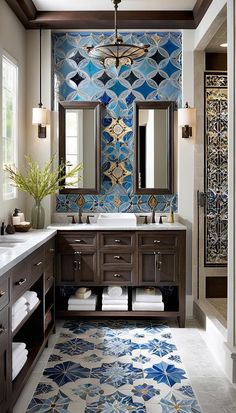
117	219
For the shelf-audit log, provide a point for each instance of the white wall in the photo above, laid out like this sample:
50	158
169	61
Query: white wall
39	149
13	41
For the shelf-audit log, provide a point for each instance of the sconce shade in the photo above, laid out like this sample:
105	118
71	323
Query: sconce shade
39	116
187	116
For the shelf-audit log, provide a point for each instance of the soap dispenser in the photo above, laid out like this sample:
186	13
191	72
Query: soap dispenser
15	217
170	219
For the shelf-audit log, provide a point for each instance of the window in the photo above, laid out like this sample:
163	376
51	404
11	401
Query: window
9	121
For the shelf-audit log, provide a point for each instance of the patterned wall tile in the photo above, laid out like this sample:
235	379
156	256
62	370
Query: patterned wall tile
78	77
216	169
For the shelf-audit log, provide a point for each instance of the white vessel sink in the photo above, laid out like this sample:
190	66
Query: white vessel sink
117	219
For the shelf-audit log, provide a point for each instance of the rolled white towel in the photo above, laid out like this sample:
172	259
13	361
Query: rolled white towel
16	370
114	302
16	320
17	348
18	303
147	306
123	296
114	307
114	291
152	295
75	300
32	304
20	356
30	296
81	307
16	311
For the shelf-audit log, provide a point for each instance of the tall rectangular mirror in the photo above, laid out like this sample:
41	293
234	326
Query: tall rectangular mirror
79	141
154	130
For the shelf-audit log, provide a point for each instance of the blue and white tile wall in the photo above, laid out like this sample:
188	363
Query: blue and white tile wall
78	77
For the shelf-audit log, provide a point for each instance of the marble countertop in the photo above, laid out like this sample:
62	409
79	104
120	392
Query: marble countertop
109	227
23	243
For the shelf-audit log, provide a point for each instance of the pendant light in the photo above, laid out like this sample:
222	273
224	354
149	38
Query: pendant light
40	115
117	53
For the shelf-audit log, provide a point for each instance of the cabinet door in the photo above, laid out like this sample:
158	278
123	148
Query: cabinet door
77	268
157	267
4	358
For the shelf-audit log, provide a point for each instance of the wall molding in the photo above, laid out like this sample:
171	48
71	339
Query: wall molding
31	18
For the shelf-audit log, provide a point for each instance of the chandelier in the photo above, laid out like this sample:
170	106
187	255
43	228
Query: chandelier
117	53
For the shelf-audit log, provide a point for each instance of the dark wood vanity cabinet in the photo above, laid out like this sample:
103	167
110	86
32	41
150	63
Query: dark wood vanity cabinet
128	258
4	342
77	258
36	272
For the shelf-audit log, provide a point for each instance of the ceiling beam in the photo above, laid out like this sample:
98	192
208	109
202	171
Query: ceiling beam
144	20
105	20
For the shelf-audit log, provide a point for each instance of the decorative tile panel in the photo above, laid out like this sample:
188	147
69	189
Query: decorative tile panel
216	169
78	77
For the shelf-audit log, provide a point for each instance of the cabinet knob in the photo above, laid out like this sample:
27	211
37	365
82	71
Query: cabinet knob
117	241
2	293
117	275
21	281
49	278
3	330
51	249
38	263
156	241
78	240
117	257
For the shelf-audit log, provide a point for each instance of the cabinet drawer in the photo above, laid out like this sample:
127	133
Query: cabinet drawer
49	276
37	263
118	276
117	240
157	240
4	291
73	240
49	249
116	258
20	279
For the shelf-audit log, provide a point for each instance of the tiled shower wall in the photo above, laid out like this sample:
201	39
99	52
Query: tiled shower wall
156	77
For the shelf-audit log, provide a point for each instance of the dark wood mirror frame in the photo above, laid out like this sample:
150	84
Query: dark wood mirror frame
169	106
63	105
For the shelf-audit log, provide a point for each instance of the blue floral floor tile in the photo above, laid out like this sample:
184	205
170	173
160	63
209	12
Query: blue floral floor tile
114	366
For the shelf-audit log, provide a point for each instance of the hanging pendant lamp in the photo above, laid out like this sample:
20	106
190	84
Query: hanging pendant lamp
40	115
117	53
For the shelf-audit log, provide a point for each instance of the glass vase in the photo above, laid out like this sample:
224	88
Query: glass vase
37	216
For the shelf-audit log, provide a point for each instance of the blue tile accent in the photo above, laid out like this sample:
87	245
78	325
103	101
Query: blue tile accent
80	78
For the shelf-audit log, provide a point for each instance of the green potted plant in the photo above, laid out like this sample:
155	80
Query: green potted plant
42	182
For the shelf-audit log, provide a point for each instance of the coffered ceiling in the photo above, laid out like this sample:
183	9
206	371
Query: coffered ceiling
98	14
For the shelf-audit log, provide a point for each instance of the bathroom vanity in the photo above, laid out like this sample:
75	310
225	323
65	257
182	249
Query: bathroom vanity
26	263
140	255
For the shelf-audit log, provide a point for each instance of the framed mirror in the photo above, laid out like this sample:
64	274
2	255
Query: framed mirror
79	141
154	144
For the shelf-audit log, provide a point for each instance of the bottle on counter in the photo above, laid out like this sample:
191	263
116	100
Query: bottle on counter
16	217
170	219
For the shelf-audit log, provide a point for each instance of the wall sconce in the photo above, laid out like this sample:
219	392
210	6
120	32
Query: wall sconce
40	115
186	119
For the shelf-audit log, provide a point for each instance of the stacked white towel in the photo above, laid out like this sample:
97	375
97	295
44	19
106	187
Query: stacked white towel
19	358
113	302
147	299
31	299
19	312
82	304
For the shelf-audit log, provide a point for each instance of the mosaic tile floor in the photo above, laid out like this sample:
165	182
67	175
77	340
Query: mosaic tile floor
114	366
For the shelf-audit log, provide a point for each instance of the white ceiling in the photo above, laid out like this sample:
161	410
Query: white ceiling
53	5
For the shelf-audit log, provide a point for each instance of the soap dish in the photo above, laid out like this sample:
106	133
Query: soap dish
22	227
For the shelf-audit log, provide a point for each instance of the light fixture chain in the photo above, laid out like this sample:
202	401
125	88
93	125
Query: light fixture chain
40	68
